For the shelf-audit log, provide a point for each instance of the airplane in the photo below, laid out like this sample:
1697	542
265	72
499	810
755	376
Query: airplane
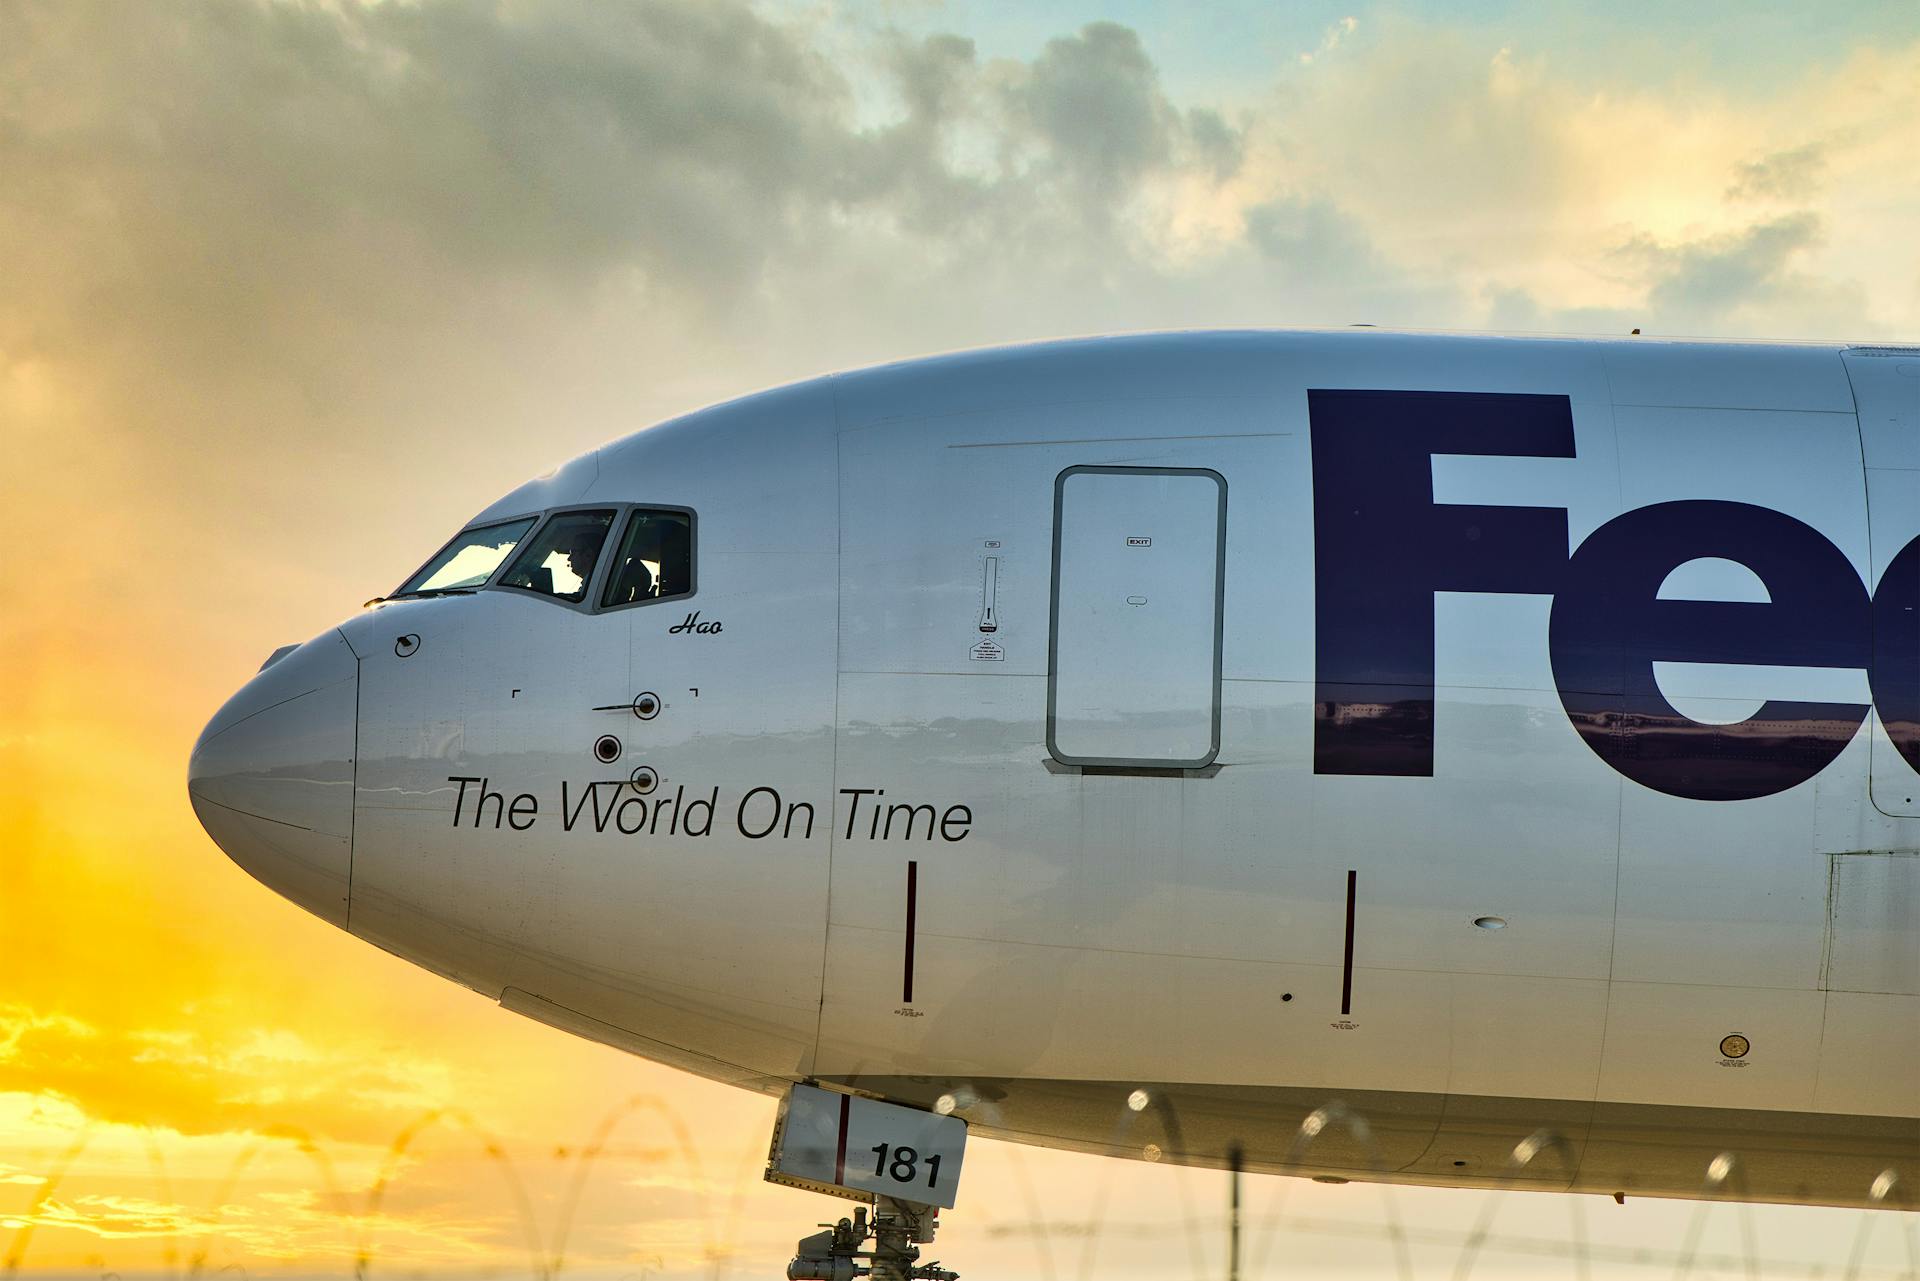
1432	759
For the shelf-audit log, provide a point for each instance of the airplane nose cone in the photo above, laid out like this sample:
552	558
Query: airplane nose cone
271	778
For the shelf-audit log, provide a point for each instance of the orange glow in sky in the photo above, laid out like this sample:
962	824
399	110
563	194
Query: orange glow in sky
287	292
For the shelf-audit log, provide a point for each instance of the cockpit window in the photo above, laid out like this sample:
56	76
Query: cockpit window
559	559
655	559
469	560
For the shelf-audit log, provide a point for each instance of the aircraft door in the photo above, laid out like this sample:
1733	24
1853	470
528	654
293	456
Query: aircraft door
1133	670
1886	392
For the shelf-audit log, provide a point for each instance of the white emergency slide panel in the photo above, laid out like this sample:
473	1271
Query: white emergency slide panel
849	1146
1138	572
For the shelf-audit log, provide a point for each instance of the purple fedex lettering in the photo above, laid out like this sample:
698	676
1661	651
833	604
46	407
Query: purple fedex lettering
1609	627
1383	547
1896	652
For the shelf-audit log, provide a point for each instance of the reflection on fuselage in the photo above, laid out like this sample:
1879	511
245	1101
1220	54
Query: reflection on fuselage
1294	917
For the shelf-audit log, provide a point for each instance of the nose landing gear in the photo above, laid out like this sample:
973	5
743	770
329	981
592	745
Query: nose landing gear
897	1230
868	1150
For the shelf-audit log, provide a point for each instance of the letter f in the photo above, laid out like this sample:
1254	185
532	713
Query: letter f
1383	547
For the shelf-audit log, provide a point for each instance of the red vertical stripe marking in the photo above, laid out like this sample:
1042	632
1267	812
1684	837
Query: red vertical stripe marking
1346	978
913	905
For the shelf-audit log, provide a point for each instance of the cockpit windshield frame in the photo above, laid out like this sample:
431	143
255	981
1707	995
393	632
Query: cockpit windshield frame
593	589
618	540
616	512
534	521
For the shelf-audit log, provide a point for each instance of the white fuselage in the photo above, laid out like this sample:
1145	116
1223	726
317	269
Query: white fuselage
1496	736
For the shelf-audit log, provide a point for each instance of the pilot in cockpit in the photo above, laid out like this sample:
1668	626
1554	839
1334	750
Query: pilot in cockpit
632	580
559	562
656	559
581	549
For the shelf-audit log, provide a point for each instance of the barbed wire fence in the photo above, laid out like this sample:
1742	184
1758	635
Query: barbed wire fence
1147	1123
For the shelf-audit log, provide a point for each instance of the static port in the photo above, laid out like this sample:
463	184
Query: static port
606	749
646	706
643	779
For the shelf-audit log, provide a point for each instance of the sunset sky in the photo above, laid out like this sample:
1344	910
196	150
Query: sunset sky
288	291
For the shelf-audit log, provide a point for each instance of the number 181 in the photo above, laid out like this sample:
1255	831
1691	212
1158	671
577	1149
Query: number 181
905	1165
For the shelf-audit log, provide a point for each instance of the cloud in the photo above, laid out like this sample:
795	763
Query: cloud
1330	41
217	1080
1722	271
1311	237
1706	283
1093	102
1432	138
1793	174
257	170
15	1176
222	161
296	287
1711	280
304	210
